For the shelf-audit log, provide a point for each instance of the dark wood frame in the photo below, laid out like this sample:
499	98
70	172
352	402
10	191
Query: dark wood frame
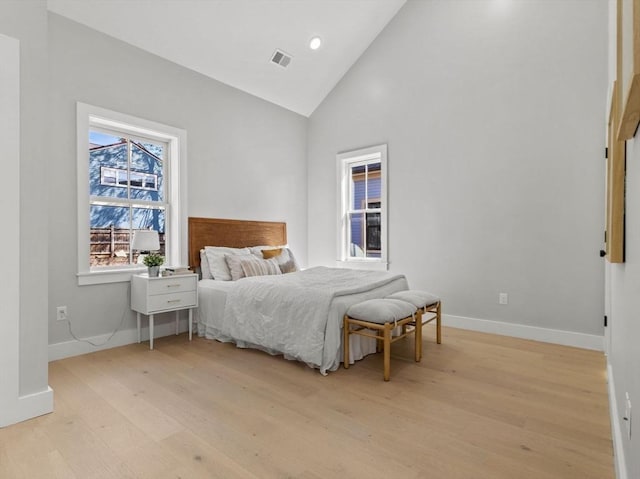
233	234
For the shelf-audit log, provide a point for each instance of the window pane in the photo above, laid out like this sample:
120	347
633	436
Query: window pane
108	176
374	245
109	235
374	185
107	153
358	184
357	232
147	169
150	182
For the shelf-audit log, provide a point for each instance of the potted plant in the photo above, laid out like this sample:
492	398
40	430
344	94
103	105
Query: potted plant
153	262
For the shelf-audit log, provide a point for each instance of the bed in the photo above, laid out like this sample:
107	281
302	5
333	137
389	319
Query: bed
298	314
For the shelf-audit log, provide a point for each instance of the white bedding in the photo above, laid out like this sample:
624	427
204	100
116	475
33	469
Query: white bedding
298	314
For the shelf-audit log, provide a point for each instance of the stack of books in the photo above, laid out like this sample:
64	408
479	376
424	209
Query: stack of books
176	270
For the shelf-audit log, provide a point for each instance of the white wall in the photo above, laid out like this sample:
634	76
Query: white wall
493	116
246	158
26	22
624	324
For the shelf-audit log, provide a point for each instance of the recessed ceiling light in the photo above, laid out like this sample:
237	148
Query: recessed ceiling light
315	43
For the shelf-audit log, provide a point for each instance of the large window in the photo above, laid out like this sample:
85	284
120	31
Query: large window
129	178
362	232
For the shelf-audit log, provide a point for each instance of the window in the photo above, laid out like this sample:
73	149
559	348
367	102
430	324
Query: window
362	231
124	178
130	175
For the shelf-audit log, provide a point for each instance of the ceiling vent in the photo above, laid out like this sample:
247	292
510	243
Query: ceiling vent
281	58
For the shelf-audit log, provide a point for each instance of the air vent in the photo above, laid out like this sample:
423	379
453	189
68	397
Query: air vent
281	58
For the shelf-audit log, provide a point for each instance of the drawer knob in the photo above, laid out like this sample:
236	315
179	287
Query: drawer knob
173	301
173	285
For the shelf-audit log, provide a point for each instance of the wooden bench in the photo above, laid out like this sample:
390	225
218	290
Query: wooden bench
426	303
382	315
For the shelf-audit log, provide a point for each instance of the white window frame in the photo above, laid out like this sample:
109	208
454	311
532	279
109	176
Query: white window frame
345	161
89	116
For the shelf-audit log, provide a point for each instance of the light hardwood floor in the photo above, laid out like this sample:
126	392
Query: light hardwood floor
477	406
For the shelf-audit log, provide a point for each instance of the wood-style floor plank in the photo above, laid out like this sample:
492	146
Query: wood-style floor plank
477	406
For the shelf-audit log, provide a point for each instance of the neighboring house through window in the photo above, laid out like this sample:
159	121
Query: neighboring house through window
362	231
129	177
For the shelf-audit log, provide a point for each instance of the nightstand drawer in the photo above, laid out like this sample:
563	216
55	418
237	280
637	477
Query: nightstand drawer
170	301
172	284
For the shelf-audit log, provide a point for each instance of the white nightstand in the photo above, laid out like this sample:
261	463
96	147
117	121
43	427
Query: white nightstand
166	293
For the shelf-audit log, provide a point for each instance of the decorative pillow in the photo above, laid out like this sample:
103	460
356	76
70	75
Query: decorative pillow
271	253
284	257
234	262
252	266
257	250
204	266
218	264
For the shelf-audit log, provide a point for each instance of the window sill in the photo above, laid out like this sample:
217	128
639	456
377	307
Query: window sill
108	276
365	264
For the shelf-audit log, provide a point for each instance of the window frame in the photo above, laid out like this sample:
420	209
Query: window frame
345	161
92	117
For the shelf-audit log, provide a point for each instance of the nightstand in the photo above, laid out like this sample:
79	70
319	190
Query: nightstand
150	296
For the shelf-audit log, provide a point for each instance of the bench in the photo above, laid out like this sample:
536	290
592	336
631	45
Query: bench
382	315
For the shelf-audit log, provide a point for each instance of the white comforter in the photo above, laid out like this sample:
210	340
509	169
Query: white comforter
299	314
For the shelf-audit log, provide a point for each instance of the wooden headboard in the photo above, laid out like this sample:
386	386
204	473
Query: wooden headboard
232	233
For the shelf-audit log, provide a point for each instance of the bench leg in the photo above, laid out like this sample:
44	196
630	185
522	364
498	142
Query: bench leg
387	351
345	341
438	324
418	333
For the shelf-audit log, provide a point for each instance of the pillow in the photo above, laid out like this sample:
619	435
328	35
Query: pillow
271	253
284	258
252	266
235	266
257	250
204	266
218	264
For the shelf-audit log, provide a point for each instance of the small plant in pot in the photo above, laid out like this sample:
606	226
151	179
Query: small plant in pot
153	262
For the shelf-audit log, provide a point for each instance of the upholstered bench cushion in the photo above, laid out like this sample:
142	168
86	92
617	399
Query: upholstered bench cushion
415	297
381	310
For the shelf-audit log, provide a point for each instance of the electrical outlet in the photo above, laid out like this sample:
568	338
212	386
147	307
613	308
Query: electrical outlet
627	414
61	313
503	298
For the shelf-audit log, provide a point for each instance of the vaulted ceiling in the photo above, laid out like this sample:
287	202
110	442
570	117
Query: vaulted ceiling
233	41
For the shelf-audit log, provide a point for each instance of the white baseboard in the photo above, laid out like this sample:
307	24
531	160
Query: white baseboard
68	349
28	407
555	336
616	430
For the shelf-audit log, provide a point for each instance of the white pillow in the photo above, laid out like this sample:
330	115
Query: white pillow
204	266
235	266
218	264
